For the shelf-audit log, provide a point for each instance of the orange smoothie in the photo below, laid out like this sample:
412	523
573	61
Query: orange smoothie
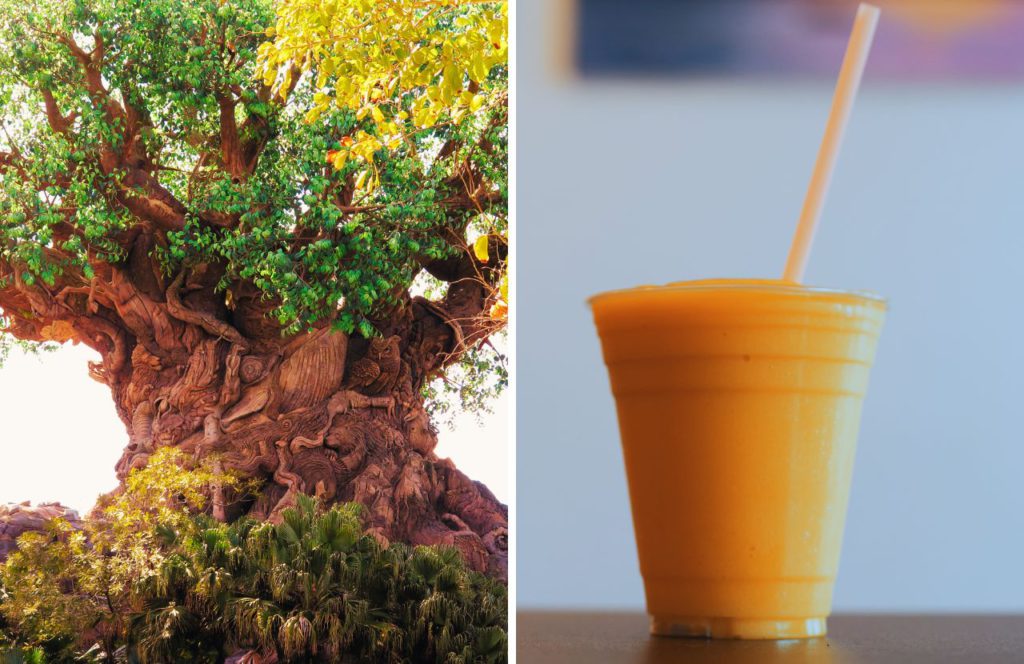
739	403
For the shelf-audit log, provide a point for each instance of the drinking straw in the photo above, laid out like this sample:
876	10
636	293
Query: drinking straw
842	103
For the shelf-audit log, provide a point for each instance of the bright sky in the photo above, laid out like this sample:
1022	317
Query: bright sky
61	436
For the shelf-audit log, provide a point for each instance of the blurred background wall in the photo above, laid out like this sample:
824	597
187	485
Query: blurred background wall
622	183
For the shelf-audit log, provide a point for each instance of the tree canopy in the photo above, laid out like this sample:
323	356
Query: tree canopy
314	163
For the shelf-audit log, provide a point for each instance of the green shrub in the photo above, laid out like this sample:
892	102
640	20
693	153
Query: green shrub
154	575
313	588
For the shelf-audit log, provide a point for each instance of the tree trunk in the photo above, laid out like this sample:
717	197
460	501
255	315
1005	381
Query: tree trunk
192	366
323	414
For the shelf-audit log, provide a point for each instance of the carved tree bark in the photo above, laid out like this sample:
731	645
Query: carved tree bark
320	413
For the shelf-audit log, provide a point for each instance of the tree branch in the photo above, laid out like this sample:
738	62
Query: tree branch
203	320
58	122
230	147
33	313
461	319
144	196
91	70
241	156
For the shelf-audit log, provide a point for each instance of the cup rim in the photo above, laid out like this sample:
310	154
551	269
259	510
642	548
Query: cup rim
756	285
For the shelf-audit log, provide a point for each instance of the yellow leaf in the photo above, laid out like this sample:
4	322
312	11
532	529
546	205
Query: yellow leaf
477	68
374	55
480	249
312	115
496	32
503	289
452	78
337	158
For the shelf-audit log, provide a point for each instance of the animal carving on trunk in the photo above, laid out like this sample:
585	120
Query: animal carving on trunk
296	420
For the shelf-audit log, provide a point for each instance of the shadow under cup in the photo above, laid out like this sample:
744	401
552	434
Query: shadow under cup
738	404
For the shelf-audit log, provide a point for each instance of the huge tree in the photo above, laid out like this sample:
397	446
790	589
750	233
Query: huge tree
279	227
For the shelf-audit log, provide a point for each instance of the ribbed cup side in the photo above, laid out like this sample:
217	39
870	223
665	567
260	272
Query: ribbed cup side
738	411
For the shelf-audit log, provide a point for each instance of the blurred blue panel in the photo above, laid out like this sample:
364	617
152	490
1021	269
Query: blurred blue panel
916	39
654	36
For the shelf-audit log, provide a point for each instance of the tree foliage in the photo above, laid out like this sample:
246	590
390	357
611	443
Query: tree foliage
318	174
153	574
35	579
405	66
64	583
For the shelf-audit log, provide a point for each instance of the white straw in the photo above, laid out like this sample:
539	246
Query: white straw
842	103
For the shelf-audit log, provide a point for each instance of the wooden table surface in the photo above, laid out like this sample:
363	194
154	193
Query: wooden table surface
622	638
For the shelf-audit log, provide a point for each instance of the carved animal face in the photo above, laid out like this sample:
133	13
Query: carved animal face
172	427
251	369
381	347
421	434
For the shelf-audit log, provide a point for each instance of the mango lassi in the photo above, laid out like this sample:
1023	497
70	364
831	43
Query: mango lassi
739	403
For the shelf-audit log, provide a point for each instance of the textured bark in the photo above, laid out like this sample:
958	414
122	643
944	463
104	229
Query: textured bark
321	413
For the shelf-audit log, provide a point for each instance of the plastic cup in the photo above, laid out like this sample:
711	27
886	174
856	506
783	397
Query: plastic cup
739	403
